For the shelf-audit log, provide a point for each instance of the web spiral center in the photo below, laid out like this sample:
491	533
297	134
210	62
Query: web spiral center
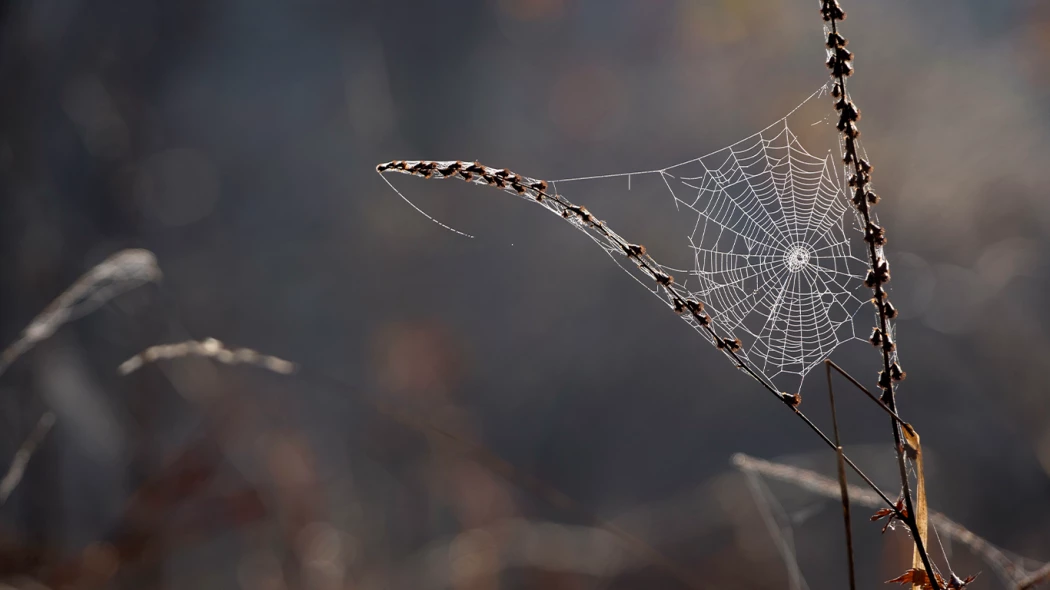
797	257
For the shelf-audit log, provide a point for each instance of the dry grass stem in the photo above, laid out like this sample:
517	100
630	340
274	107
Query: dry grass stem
21	459
1038	578
117	274
1009	570
209	348
843	486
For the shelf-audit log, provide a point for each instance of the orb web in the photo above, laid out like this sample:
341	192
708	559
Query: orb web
770	245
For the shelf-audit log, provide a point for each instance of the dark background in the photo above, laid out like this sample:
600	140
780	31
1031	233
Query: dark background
237	140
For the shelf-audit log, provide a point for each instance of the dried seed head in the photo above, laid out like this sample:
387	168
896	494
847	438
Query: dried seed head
884	381
876	337
859	199
424	168
848	128
878	275
875	234
634	250
840	68
679	305
450	169
860	179
850	112
727	343
831	11
889	310
836	40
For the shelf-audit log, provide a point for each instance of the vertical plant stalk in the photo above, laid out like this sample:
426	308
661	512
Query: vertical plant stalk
840	62
843	486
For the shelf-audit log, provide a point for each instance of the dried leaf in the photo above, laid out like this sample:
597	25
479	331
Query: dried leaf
881	513
913	576
911	437
917	578
890	514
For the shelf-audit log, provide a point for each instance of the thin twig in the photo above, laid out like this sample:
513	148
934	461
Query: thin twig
831	364
840	61
23	455
843	488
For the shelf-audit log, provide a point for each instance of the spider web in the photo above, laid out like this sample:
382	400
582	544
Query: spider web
768	227
769	242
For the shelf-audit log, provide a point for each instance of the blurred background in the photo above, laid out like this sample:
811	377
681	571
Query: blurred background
238	141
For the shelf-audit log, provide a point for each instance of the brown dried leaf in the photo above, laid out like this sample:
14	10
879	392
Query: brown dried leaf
881	513
890	514
916	577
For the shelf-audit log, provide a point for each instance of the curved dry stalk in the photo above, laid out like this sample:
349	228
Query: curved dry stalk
690	309
117	274
22	456
208	348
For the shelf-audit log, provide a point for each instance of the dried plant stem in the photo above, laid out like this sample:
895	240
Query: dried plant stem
831	365
840	63
120	272
843	487
687	307
1010	572
1036	579
208	348
23	455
